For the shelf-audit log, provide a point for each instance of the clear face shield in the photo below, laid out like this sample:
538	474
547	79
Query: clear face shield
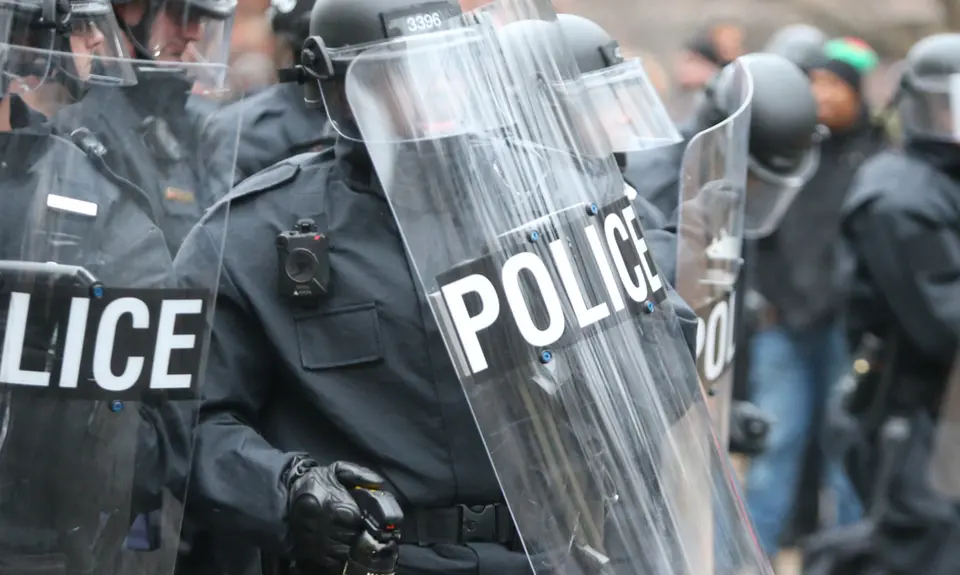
190	32
631	116
51	66
929	108
410	22
770	192
554	315
96	44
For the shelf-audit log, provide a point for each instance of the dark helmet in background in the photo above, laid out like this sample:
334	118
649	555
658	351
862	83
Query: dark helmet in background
290	22
802	44
785	133
929	99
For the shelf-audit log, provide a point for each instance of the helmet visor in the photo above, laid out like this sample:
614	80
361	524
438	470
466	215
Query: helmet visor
193	32
930	108
631	116
86	47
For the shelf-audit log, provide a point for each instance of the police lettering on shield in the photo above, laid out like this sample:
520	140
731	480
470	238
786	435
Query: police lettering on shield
573	271
123	344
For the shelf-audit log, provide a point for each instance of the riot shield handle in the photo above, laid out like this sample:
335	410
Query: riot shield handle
51	270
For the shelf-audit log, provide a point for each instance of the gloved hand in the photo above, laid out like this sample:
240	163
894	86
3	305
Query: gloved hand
749	427
324	518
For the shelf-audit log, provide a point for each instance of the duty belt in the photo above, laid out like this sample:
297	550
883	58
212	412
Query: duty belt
458	525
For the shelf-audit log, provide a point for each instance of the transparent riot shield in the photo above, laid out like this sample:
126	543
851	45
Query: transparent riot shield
103	343
556	319
710	227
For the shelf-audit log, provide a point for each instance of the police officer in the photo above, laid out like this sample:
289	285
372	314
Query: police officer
77	462
783	134
304	403
901	223
150	133
276	124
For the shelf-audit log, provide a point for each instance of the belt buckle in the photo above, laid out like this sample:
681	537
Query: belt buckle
478	523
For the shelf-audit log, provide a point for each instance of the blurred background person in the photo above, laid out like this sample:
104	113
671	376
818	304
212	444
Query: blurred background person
252	48
799	351
710	49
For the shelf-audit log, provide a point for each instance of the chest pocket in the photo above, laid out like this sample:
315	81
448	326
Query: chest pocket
341	337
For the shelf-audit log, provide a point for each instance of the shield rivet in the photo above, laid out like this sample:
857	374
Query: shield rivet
533	236
96	291
650	307
592	210
546	356
116	406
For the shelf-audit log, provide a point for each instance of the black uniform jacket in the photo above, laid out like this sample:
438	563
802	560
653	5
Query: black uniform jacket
902	228
275	124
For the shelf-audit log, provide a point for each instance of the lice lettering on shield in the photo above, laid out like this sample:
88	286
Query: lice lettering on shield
122	345
545	293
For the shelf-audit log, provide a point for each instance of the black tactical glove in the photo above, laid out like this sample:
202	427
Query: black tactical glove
324	518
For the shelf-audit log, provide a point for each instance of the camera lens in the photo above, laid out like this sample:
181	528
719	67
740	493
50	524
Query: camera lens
301	265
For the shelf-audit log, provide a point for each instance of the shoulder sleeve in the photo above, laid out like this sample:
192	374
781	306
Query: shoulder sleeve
236	482
914	261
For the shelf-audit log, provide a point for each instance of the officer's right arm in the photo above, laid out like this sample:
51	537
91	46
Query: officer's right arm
236	477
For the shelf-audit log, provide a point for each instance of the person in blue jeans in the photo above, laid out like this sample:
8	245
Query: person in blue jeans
799	353
792	376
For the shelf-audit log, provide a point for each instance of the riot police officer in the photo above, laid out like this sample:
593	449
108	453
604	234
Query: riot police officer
900	224
351	366
783	143
81	453
276	123
151	133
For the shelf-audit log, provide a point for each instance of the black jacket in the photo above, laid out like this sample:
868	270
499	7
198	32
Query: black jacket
275	124
799	268
902	227
164	146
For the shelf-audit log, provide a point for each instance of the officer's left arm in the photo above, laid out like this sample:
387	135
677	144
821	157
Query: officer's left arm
915	262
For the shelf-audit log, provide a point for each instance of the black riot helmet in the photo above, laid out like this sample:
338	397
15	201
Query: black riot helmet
290	22
929	98
784	131
785	134
341	30
195	30
802	44
593	48
72	42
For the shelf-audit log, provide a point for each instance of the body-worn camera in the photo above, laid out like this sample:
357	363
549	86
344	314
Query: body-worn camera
304	263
